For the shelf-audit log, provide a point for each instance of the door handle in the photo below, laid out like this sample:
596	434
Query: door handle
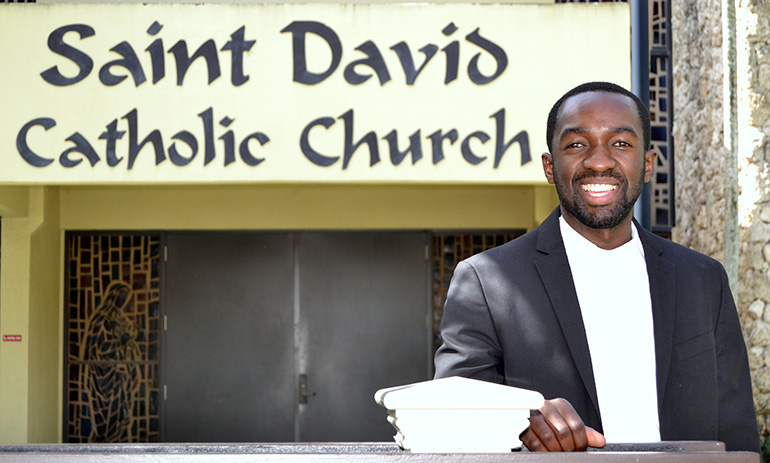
304	393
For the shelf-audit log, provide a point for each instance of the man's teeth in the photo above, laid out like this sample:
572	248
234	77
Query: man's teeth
598	187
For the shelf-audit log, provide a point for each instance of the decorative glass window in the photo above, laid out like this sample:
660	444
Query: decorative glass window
112	333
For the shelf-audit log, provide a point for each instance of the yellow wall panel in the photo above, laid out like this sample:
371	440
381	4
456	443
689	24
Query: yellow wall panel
306	207
30	303
14	201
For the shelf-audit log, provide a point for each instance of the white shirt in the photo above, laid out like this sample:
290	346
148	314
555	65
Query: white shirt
613	290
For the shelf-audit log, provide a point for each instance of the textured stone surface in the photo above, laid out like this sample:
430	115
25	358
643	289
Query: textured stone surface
700	160
757	309
698	133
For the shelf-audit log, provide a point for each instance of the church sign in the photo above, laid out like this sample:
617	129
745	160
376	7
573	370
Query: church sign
181	93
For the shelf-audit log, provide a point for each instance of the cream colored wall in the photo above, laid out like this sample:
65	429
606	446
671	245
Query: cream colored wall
306	207
45	322
30	303
14	201
32	245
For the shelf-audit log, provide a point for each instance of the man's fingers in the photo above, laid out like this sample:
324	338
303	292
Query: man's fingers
533	443
544	437
595	438
573	430
557	427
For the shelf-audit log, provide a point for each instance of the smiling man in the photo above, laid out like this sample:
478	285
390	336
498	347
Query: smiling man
630	337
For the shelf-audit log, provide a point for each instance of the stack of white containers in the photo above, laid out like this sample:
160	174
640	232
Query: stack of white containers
458	415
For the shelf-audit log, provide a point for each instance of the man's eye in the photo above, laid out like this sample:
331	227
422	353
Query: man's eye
623	144
575	145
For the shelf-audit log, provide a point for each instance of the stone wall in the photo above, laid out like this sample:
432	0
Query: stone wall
698	125
700	66
753	62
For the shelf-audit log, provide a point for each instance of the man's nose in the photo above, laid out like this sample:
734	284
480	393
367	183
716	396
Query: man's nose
599	159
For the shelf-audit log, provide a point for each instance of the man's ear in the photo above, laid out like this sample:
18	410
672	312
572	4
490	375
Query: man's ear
649	164
547	159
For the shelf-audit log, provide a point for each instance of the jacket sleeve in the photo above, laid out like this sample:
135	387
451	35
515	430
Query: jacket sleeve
470	345
737	420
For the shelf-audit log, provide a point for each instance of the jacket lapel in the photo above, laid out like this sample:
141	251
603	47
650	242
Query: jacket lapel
553	268
662	275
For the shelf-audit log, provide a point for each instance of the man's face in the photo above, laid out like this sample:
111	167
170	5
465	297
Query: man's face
599	164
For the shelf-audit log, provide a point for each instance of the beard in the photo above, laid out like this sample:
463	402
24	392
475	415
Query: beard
602	217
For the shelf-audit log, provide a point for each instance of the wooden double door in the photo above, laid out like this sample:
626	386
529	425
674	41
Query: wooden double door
280	337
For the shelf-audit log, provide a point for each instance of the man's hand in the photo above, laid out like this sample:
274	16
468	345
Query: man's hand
556	427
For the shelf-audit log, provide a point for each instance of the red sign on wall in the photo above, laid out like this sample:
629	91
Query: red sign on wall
12	338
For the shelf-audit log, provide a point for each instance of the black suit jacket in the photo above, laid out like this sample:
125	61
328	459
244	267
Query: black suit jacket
512	317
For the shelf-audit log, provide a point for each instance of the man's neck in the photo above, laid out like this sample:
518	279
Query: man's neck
605	238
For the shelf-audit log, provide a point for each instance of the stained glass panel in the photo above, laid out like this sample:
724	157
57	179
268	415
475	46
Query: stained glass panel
113	338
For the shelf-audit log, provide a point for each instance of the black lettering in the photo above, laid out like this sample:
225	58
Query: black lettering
304	144
407	63
173	154
437	139
23	148
237	45
129	61
246	155
156	53
298	30
452	52
81	146
207	51
374	60
493	49
397	156
207	117
350	147
501	146
133	147
228	138
112	134
465	148
56	44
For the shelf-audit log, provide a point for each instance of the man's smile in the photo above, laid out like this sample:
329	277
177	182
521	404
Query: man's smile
598	194
598	189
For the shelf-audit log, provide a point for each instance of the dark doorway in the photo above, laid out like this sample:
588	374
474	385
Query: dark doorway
250	314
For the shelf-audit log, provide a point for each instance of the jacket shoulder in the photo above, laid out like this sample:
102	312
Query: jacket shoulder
515	250
680	254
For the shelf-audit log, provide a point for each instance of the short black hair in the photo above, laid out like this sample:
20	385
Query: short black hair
606	87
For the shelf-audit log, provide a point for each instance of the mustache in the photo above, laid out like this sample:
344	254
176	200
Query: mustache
588	173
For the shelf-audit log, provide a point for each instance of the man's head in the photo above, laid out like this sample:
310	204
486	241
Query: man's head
608	87
597	137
